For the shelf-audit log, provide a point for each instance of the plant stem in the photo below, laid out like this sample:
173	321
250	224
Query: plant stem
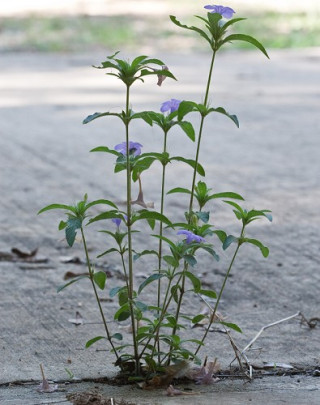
194	177
221	292
124	269
163	312
130	261
96	294
161	228
161	211
200	133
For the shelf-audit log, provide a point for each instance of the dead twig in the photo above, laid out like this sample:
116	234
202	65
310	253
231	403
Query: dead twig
267	327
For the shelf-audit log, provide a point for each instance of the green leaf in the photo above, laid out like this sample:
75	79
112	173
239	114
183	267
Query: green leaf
221	235
191	163
57	206
117	336
108	251
208	293
192	28
115	290
236	206
98	115
227	194
150	279
179	190
174	292
94	340
187	127
71	282
191	260
144	214
255	242
185	107
140	166
123	313
224	112
163	72
106	215
228	241
102	201
170	243
171	261
194	280
231	326
145	252
198	318
62	225
212	252
71	229
203	216
141	306
143	115
245	38
100	279
105	149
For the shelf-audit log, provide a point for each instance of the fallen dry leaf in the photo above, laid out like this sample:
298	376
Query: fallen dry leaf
173	392
70	274
24	255
78	320
71	259
44	386
205	375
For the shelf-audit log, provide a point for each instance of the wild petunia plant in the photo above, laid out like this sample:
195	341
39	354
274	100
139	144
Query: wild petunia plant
156	340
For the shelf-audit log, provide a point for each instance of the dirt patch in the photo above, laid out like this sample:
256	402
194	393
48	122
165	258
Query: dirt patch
94	398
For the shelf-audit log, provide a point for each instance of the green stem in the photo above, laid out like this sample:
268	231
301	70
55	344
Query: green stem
195	170
161	211
124	269
96	295
200	134
161	229
162	315
130	261
182	291
221	291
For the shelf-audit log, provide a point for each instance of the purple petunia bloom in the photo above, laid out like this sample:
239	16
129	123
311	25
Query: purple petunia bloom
226	12
171	105
191	237
134	148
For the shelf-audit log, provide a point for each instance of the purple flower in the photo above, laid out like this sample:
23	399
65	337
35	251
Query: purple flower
191	237
171	105
225	12
117	221
134	148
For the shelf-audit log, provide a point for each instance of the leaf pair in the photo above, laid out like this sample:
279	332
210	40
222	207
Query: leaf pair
216	31
128	72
